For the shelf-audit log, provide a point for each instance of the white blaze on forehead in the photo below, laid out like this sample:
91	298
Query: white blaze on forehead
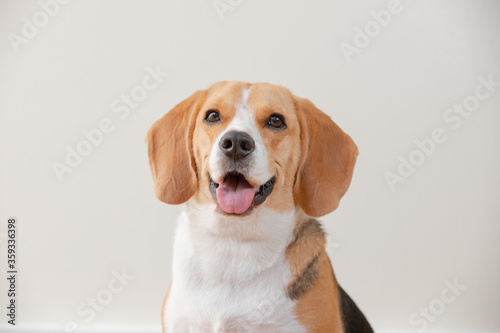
243	121
244	118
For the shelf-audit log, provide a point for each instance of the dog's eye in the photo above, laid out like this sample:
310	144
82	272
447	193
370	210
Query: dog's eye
212	116
276	121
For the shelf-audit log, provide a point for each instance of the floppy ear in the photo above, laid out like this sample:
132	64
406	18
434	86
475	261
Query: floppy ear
326	164
170	153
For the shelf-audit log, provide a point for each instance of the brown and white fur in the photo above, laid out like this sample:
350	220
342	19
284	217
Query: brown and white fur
264	269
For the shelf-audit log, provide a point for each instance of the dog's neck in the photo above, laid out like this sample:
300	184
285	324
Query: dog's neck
226	248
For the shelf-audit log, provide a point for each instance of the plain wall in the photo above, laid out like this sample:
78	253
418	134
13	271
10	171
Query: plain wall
393	251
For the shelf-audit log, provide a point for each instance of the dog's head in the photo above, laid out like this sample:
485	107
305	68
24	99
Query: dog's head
243	146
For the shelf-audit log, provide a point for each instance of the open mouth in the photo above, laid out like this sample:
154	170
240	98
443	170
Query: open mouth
235	195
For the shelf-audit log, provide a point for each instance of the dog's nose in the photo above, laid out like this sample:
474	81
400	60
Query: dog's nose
236	145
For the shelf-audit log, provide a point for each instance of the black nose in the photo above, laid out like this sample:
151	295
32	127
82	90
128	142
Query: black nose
236	145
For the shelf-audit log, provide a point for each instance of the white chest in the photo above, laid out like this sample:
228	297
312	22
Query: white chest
227	284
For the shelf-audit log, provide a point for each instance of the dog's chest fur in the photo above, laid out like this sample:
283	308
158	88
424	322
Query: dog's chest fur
231	276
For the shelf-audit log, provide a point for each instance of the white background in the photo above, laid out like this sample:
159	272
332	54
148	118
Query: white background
392	251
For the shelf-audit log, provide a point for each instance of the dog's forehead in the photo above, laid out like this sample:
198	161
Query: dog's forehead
265	96
258	96
225	95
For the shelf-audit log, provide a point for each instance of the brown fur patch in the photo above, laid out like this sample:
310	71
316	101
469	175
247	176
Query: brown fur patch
304	281
327	161
318	309
308	242
170	152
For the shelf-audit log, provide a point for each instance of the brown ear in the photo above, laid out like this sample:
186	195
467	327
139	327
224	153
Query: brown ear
327	161
170	152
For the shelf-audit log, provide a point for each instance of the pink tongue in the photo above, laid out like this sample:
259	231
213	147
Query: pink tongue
235	195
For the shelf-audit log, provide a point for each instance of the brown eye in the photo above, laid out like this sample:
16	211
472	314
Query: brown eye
276	122
212	116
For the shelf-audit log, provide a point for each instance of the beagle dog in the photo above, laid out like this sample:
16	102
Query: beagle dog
254	166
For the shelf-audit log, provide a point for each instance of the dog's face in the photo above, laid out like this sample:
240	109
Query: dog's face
244	146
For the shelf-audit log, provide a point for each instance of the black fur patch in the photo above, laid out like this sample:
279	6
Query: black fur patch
353	319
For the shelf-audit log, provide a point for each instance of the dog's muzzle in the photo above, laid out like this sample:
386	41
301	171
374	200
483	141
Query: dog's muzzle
235	195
